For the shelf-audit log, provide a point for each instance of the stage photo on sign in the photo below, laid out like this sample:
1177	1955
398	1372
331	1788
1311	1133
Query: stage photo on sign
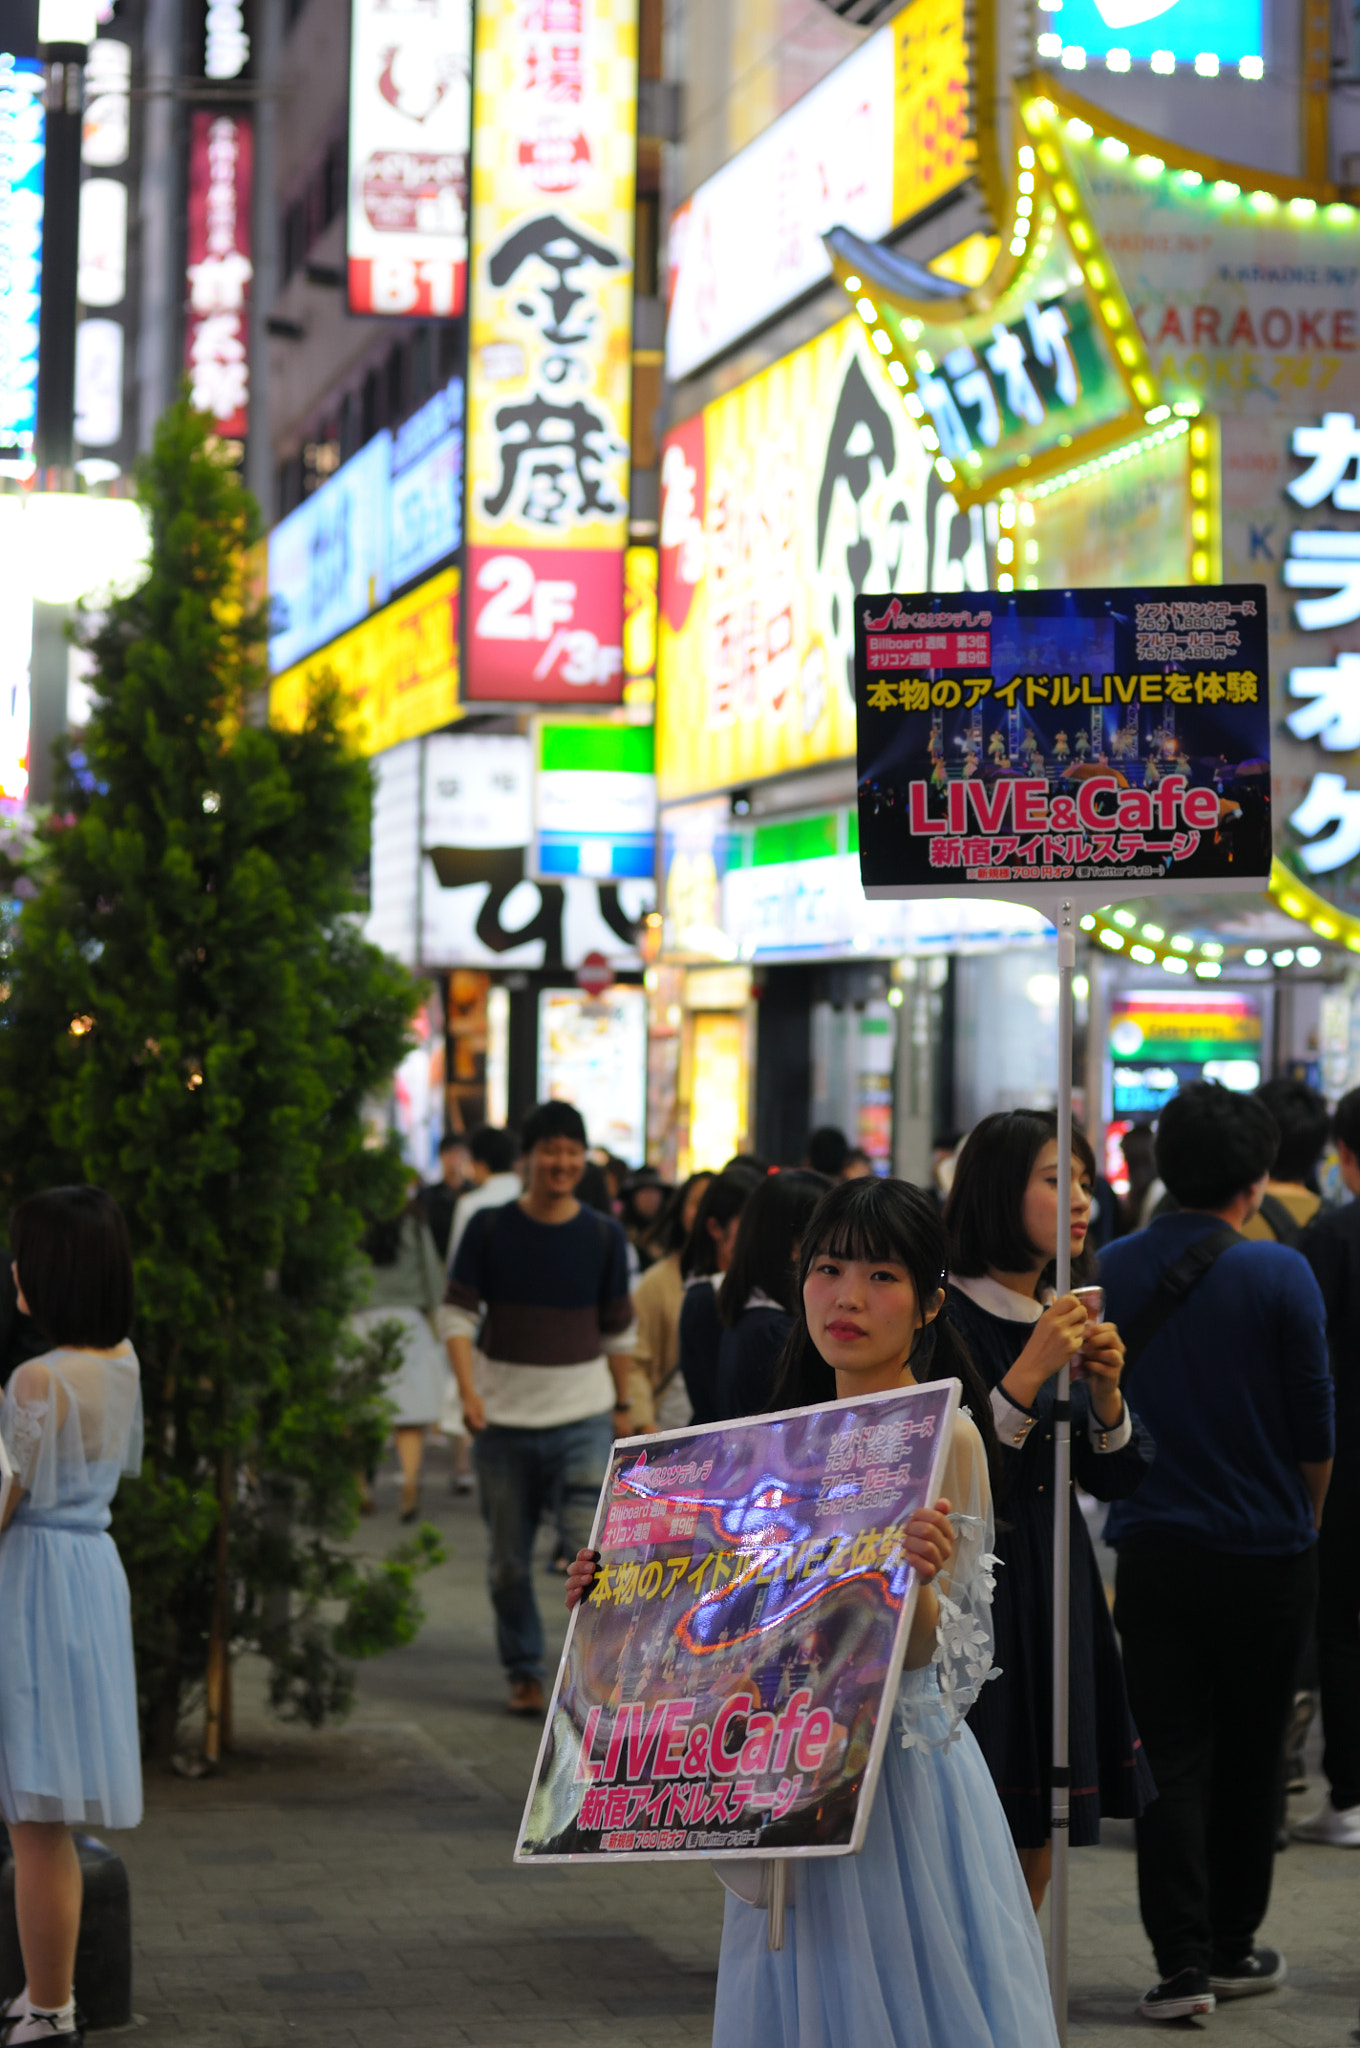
723	1686
1119	738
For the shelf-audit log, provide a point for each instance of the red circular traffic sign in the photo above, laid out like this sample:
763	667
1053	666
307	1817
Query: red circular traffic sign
595	974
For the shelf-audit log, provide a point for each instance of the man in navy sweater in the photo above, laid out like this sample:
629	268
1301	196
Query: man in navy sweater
545	1282
1217	1574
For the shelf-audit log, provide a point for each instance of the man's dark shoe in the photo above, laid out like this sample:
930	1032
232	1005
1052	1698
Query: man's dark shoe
1263	1970
1179	1998
526	1697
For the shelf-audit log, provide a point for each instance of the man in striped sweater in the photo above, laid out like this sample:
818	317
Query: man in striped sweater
545	1283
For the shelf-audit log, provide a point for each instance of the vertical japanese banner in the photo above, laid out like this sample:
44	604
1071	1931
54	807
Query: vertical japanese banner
409	116
549	368
217	330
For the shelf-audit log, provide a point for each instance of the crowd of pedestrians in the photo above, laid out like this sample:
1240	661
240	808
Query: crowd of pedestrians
538	1303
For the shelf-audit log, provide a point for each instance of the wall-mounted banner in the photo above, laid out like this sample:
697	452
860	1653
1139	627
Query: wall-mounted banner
399	670
22	127
426	504
409	119
884	135
549	370
1107	740
725	1686
217	329
328	559
779	502
594	800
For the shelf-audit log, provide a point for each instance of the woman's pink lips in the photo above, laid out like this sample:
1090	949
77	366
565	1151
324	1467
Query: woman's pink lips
843	1330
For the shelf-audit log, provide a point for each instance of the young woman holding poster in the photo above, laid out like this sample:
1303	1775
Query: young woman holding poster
926	1939
1002	1219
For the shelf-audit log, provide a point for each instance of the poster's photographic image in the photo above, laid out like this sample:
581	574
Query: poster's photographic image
1063	736
727	1685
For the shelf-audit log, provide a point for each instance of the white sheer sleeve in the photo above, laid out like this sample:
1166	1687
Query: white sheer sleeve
962	1663
70	1418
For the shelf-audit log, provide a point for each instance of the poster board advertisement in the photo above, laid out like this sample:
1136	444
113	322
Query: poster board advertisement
410	114
1101	742
726	1687
592	1051
550	349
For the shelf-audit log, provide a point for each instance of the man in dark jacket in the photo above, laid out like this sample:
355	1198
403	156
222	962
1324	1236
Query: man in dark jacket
1217	1574
1332	1248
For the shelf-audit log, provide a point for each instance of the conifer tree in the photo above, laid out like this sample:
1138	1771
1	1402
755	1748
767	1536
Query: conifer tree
192	1020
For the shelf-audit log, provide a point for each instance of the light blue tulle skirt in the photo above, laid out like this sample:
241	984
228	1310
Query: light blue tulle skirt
68	1693
926	1939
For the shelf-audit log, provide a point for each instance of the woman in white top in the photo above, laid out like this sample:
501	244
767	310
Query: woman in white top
71	1422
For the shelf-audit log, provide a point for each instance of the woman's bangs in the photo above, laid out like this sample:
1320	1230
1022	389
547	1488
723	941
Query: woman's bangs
861	1236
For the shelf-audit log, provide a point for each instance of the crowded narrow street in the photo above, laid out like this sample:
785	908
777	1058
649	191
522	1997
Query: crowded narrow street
358	1888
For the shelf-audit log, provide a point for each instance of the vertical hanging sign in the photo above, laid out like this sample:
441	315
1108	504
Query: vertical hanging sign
409	116
21	228
549	372
217	330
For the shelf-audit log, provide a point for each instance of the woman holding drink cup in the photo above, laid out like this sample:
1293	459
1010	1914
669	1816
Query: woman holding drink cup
1002	1219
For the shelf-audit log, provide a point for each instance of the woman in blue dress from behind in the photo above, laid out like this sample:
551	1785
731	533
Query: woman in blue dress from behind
71	1425
926	1938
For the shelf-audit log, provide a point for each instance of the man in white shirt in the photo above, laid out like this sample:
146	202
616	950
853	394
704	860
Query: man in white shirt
494	1180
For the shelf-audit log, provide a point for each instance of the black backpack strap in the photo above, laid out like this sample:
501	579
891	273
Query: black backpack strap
1281	1220
1176	1283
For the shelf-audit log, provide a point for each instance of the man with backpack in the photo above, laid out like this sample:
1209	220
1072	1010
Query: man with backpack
542	1285
1217	1577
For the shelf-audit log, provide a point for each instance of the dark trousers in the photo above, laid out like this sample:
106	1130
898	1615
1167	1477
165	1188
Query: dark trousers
1338	1633
523	1475
1211	1645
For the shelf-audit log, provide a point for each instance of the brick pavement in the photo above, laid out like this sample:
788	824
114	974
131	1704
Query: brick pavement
356	1887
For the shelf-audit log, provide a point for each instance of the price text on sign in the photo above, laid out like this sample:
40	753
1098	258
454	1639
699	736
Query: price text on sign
727	1684
1051	737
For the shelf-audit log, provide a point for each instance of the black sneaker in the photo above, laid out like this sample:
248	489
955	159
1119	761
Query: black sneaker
1263	1970
1180	1997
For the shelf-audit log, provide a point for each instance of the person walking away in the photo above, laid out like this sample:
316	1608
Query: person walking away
1292	1197
704	1260
441	1197
1002	1220
656	1391
1217	1571
550	1391
827	1151
1331	1246
494	1181
406	1286
72	1425
927	1936
756	1301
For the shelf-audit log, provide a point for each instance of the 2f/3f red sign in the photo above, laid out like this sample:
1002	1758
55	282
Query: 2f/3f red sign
545	626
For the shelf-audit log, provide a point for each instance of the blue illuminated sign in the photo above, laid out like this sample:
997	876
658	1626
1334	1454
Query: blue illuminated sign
21	212
1229	30
426	506
328	560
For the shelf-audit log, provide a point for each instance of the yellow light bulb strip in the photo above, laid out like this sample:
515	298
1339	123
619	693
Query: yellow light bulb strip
1130	937
1298	900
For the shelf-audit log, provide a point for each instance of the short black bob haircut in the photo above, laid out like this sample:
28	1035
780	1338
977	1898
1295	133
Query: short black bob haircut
549	1120
1304	1121
493	1148
892	1221
982	1214
74	1261
1212	1143
768	1236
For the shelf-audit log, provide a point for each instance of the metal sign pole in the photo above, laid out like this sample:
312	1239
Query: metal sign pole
1062	1489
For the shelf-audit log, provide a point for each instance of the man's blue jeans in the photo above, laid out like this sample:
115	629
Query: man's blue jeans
523	1474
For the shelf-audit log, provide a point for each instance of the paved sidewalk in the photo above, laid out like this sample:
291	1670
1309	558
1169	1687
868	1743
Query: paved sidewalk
356	1887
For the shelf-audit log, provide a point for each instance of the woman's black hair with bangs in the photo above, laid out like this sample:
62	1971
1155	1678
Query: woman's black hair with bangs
899	1224
984	1212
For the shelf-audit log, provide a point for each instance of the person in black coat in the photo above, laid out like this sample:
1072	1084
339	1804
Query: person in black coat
1002	1218
706	1256
756	1299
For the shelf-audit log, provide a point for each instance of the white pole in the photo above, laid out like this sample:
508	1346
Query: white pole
1062	1489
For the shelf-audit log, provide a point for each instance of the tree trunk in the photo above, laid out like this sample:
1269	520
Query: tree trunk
218	1703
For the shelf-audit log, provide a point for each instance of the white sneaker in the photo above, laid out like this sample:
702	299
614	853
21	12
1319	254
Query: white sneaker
1339	1827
